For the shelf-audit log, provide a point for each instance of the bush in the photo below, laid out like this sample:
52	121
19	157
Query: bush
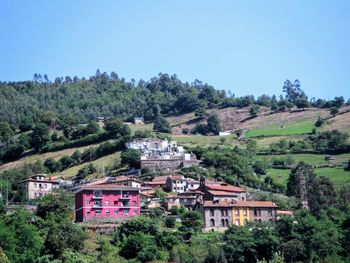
170	222
52	165
66	162
131	157
161	125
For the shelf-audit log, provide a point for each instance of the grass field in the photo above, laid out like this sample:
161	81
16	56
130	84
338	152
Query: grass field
338	176
140	127
200	140
100	164
264	142
311	158
301	127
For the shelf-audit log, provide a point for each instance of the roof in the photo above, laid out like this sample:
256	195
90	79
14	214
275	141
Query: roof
176	177
106	187
154	183
284	212
239	204
222	193
126	178
225	188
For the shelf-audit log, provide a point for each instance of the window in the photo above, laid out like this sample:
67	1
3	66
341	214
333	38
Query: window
245	211
88	212
259	212
107	202
98	212
125	211
270	212
226	222
255	212
115	193
107	212
35	185
211	212
237	222
98	193
237	212
115	202
223	212
87	202
222	222
133	203
116	211
212	222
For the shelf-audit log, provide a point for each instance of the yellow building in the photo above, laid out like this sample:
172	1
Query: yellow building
240	215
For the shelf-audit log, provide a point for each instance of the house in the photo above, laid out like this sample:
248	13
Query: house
215	190
38	185
162	155
172	200
191	184
219	215
176	184
189	200
127	180
157	182
139	120
106	203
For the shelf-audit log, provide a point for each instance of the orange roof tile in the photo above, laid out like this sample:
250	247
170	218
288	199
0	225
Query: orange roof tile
222	193
226	188
239	204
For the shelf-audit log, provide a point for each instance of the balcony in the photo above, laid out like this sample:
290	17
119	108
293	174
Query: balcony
125	196
97	205
97	197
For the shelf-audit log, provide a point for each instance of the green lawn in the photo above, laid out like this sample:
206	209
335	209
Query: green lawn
301	127
338	176
311	158
200	140
140	127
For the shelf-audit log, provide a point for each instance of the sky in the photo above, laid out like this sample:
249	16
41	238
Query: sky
247	47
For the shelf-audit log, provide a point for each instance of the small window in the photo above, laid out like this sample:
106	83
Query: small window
270	212
126	212
255	212
87	202
107	202
116	211
245	211
133	203
115	202
211	212
237	212
88	212
98	212
222	222
107	212
237	222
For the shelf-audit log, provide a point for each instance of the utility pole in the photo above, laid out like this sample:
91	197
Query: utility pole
303	192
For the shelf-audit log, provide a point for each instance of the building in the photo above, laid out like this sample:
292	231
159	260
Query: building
191	184
219	191
139	120
218	215
106	203
157	182
39	185
127	180
162	155
176	184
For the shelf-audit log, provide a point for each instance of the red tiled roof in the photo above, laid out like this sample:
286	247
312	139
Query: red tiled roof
226	188
222	193
239	204
154	182
176	177
106	187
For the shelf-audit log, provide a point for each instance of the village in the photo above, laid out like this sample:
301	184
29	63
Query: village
108	201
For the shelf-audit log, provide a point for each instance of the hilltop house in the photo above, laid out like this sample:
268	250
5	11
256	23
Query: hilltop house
106	203
162	155
38	185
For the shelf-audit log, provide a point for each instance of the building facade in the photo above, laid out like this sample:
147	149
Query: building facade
106	203
39	185
237	212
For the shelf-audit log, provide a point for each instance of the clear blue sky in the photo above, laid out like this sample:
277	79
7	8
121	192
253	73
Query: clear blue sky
248	47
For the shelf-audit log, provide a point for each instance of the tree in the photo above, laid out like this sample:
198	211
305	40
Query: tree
40	136
294	250
293	91
66	162
302	170
52	165
92	128
213	125
26	124
161	125
334	111
113	127
239	245
170	222
254	110
5	132
192	220
131	157
59	203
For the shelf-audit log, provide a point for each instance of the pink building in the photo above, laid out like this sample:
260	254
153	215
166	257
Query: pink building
106	203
